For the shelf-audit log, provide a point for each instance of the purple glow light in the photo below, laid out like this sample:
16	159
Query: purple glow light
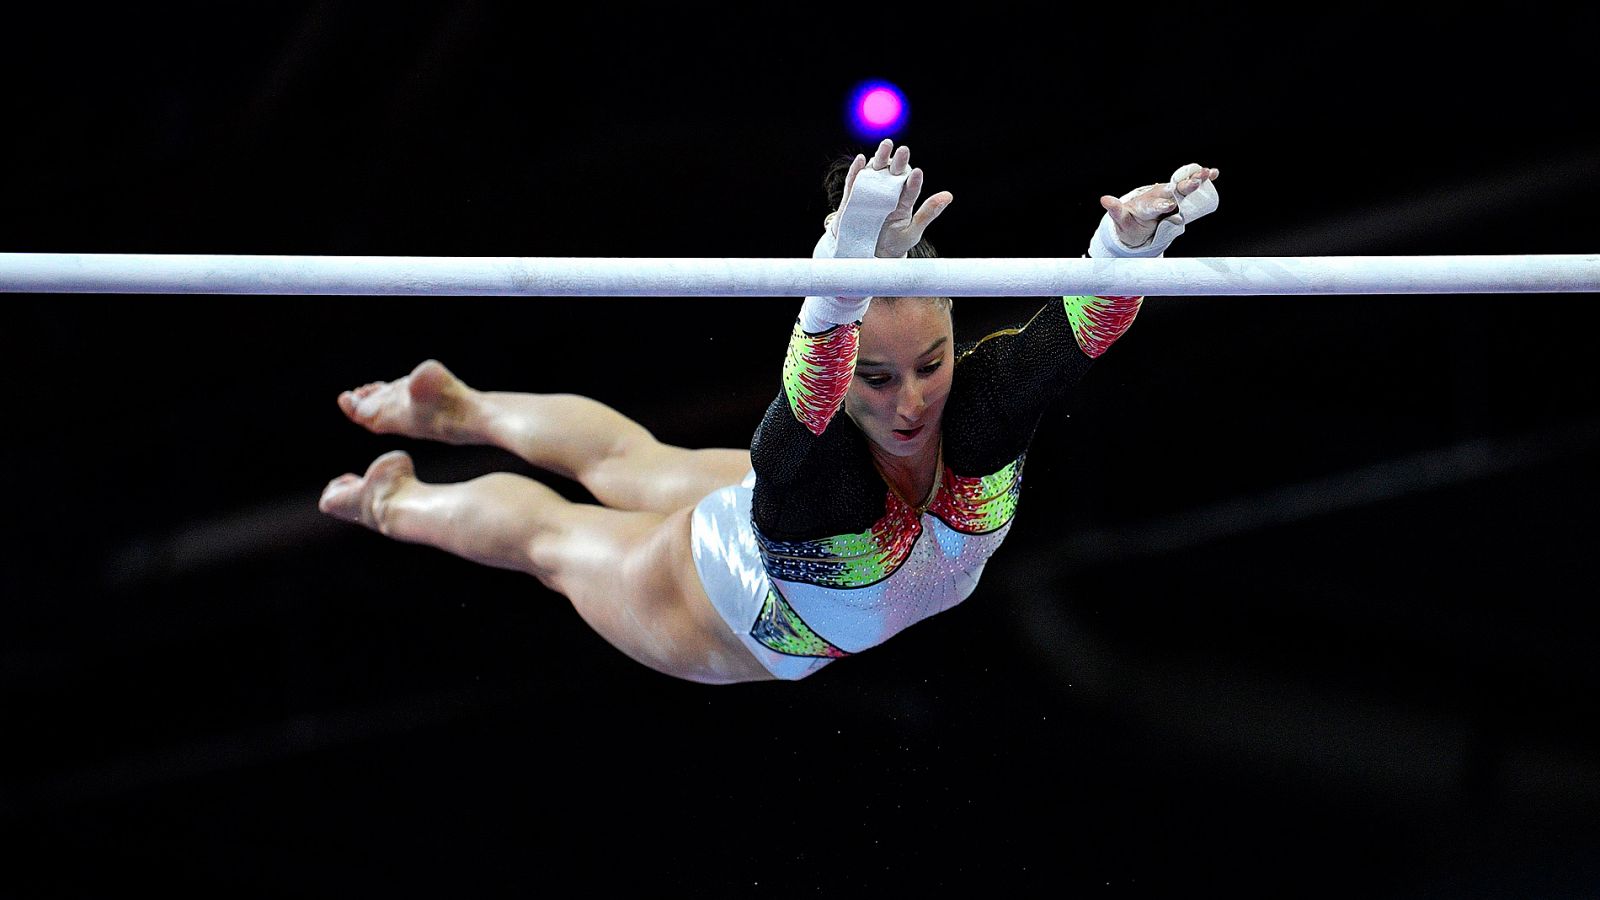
880	107
877	109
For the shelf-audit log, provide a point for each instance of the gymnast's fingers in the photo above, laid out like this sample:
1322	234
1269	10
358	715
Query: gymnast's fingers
930	210
1192	183
902	157
1151	205
909	193
880	159
856	165
1119	215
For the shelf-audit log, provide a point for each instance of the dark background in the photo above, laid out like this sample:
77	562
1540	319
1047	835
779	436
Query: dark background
1299	601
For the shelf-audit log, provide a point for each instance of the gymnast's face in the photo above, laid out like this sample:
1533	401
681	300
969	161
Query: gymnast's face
904	362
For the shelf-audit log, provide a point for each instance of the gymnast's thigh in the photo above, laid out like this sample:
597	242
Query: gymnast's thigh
639	589
679	477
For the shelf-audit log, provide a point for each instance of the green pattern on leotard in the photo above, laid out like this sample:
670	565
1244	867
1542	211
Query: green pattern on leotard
817	373
780	628
1098	321
982	504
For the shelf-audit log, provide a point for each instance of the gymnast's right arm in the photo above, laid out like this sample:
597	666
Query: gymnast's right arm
817	369
875	218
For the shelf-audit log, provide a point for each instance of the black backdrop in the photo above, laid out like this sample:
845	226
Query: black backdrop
1299	600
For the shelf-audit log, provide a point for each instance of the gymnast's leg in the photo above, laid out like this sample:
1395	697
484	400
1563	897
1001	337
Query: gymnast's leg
614	457
630	575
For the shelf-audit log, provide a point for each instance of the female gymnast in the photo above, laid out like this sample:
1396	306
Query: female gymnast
828	536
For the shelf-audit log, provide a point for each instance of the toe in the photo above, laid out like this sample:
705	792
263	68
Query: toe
367	406
391	463
336	496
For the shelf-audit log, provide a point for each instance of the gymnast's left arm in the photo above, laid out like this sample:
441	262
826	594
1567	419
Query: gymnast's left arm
1038	361
1140	224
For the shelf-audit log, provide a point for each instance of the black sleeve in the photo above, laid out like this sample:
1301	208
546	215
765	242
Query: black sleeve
1003	385
817	370
814	474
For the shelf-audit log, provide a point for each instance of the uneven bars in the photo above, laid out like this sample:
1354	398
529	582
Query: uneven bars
87	273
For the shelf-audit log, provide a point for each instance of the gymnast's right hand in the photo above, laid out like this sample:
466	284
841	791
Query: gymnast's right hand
903	228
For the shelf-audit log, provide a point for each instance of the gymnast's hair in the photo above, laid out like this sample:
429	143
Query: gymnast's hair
833	186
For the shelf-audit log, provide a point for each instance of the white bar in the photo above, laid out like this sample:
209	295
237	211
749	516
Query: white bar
87	273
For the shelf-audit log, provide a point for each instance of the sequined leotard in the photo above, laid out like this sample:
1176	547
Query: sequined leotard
844	562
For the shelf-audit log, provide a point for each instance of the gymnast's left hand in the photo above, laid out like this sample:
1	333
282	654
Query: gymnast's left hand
1137	217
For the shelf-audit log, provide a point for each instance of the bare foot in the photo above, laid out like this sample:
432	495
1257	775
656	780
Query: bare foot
430	403
363	498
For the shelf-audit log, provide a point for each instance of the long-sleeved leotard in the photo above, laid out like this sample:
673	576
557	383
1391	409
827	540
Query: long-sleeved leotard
850	562
814	556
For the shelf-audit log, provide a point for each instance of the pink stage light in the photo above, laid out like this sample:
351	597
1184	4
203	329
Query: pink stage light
877	109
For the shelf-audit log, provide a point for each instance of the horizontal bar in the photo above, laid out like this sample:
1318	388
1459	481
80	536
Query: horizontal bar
115	273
